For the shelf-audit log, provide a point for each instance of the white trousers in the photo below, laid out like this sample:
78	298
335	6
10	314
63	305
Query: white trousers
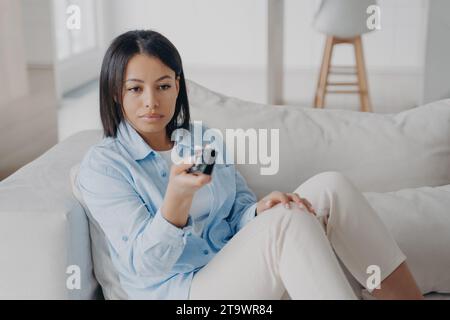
290	253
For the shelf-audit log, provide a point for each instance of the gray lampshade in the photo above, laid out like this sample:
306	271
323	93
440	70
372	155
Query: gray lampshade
343	18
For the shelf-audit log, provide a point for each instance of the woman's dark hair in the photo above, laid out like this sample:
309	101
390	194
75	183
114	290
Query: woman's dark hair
115	61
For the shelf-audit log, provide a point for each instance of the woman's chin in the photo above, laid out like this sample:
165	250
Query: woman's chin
151	127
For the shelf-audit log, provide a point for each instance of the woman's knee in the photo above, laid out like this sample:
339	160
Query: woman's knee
279	216
332	180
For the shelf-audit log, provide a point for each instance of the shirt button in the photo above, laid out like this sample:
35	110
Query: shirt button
125	238
205	251
163	174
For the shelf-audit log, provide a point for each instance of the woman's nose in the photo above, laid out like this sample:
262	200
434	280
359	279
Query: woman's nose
150	98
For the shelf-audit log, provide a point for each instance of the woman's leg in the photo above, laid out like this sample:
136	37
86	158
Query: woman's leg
279	250
358	236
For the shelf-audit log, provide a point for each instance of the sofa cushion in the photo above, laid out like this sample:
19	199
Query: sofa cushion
104	270
419	220
44	230
379	152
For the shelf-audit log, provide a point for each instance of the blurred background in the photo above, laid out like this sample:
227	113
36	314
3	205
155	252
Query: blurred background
266	51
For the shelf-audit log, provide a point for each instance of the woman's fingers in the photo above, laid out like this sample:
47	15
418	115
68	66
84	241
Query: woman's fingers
285	198
194	180
274	198
269	204
181	167
277	197
309	205
306	201
302	202
296	198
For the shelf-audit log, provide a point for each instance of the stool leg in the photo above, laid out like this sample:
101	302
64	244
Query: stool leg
319	100
362	77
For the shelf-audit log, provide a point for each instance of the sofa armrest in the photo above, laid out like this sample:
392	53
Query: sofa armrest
44	229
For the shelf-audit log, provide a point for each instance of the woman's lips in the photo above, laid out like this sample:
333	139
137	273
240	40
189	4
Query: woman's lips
152	118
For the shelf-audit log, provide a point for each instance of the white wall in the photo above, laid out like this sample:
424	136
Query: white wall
41	21
38	32
206	32
233	32
228	39
394	56
436	80
397	45
28	118
14	79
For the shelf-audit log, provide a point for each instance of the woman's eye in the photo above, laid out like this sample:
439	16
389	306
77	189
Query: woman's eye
164	87
135	89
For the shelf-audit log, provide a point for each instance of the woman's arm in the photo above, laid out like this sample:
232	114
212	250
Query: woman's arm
180	192
145	244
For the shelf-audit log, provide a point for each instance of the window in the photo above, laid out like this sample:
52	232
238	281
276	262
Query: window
78	42
74	41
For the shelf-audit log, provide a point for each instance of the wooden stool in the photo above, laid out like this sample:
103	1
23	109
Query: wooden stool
359	70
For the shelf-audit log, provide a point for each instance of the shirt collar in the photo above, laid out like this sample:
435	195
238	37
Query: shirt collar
136	145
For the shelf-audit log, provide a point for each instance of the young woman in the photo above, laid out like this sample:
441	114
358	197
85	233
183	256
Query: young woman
170	234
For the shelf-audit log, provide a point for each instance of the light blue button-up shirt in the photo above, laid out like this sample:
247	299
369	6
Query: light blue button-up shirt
123	181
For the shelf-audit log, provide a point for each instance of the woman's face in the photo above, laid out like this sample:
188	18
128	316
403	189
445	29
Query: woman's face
150	92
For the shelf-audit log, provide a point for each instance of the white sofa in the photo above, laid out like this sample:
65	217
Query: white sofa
400	161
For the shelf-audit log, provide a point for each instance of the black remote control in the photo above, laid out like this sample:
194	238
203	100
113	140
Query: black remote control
207	164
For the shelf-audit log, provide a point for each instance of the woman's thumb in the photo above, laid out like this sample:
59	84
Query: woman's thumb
183	165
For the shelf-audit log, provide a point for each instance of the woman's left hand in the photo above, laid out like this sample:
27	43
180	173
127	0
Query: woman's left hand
276	197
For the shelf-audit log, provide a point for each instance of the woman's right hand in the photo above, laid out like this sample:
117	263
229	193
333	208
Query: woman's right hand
180	192
185	184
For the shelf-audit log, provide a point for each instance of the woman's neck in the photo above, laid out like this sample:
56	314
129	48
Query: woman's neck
158	142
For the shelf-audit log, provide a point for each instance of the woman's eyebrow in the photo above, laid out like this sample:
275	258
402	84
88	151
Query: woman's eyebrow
137	80
159	79
163	77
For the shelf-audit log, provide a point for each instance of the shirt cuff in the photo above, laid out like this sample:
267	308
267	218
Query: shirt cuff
167	232
248	215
